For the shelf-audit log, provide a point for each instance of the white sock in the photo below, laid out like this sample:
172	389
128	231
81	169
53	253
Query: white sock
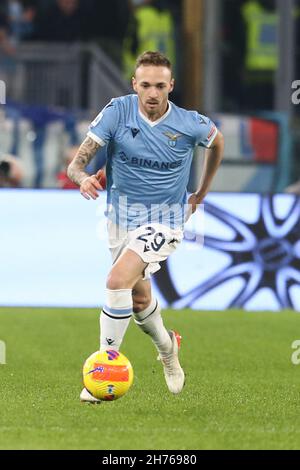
115	318
150	321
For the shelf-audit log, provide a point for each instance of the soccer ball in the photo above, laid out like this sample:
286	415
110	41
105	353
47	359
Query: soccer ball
107	375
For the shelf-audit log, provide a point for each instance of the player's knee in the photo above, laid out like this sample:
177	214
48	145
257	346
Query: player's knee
140	302
115	281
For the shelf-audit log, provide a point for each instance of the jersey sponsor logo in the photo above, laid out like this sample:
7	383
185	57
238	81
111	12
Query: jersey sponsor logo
147	163
123	157
172	138
134	132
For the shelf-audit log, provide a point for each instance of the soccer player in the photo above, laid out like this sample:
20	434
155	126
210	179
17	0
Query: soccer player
150	149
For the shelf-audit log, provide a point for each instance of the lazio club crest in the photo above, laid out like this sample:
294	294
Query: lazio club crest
172	138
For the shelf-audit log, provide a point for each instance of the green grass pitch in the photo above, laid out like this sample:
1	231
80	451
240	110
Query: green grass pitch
242	390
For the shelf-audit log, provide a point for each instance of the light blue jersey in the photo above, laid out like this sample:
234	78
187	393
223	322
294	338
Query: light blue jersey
149	163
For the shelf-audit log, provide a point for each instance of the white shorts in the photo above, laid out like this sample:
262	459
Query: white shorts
152	242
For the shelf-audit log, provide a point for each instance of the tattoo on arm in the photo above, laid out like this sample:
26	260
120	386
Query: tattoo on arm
76	169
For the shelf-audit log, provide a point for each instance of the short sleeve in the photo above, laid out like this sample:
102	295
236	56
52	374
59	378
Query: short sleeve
206	130
103	128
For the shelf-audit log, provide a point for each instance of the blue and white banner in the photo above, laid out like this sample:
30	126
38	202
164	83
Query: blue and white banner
53	252
250	257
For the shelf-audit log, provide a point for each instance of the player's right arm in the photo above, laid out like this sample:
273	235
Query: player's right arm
101	131
89	184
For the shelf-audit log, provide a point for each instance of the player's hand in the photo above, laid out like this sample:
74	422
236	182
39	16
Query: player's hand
193	203
90	186
101	177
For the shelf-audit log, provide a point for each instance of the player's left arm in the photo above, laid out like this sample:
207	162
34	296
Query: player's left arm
212	159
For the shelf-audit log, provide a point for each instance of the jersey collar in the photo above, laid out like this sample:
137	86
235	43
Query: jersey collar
162	118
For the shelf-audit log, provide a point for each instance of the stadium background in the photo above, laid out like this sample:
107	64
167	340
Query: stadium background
236	61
